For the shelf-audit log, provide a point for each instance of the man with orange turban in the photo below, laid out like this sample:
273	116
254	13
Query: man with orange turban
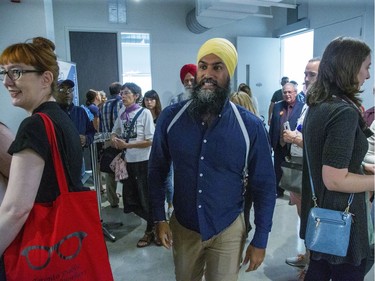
187	76
217	148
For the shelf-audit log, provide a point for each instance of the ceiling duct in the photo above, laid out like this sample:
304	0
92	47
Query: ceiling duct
193	24
208	14
299	26
297	22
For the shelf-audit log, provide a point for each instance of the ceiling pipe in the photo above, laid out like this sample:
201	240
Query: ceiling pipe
192	23
209	14
211	18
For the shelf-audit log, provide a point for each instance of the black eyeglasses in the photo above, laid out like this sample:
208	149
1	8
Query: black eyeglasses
16	73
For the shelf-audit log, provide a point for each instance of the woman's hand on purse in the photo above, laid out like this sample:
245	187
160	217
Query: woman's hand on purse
119	143
115	141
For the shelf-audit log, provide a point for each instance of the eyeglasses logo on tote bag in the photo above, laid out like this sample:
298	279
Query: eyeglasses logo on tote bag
38	257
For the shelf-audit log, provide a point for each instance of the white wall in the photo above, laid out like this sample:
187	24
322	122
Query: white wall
19	23
172	44
322	15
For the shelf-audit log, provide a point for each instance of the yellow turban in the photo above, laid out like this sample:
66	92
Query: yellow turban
222	48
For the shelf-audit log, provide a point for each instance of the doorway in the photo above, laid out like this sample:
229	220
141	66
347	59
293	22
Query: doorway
296	51
96	57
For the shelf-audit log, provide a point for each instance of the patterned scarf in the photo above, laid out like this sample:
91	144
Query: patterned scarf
128	110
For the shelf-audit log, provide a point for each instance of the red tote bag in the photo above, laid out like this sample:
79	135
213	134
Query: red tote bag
61	240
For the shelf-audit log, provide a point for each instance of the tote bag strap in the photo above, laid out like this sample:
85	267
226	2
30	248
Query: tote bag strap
314	198
57	163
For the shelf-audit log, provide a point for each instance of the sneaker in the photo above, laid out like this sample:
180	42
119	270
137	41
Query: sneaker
298	261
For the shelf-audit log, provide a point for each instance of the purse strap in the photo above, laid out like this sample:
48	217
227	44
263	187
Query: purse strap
57	162
133	122
314	198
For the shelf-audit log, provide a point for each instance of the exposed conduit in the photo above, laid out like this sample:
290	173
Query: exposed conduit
192	23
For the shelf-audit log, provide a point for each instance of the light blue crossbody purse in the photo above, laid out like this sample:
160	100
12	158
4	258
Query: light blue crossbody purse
327	231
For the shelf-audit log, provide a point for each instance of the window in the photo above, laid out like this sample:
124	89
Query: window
136	66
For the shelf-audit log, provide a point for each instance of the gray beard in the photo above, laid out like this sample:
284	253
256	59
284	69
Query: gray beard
186	94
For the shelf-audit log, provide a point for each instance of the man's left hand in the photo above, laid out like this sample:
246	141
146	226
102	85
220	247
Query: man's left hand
255	256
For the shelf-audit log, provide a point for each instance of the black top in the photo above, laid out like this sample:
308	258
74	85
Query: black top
32	134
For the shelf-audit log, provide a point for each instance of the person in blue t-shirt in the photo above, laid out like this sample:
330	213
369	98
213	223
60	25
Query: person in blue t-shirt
93	99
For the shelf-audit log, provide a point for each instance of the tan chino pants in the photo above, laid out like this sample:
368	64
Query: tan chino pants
218	258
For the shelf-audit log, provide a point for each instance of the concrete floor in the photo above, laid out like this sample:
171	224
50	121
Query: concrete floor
153	263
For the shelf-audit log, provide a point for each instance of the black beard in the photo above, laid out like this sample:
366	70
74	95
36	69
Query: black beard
208	101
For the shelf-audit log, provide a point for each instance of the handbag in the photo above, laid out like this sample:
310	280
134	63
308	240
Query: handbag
60	240
109	153
327	231
291	179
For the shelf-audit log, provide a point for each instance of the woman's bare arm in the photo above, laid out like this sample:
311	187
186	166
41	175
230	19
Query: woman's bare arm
24	180
6	137
342	180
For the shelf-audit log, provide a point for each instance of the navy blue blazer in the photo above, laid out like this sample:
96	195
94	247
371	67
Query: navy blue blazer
275	120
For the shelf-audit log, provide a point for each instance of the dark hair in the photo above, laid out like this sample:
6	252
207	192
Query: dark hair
134	88
90	96
152	94
114	89
338	71
39	53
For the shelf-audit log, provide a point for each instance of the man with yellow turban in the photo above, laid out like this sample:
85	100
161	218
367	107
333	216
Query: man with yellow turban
217	148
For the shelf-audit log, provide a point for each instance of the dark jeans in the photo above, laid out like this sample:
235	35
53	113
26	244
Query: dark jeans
323	271
370	260
279	154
